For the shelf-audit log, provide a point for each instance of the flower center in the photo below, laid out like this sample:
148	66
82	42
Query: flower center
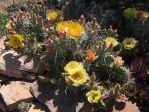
16	41
128	43
77	76
94	96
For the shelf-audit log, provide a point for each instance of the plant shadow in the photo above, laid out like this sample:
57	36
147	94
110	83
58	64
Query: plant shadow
57	100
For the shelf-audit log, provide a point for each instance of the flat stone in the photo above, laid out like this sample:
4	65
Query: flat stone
55	98
15	92
124	105
37	107
16	65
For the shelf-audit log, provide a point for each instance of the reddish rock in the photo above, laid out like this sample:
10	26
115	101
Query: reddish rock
56	99
2	107
14	93
37	108
123	105
16	65
3	78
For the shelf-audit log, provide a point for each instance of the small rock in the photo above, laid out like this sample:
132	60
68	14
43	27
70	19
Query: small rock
37	108
14	93
55	98
16	65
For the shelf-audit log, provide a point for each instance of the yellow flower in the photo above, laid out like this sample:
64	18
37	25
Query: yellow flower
118	61
76	73
111	42
94	96
129	43
52	15
61	26
130	13
75	30
16	40
9	25
71	66
78	78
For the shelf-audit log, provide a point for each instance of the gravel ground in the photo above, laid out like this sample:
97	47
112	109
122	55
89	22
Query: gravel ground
5	3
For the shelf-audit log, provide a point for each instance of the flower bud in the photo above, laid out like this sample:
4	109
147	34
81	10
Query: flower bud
11	18
94	20
93	76
63	33
143	16
39	18
12	32
64	8
82	18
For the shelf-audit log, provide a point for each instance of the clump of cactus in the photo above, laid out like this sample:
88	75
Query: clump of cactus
24	107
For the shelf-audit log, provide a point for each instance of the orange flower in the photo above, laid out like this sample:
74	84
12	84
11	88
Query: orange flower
90	56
